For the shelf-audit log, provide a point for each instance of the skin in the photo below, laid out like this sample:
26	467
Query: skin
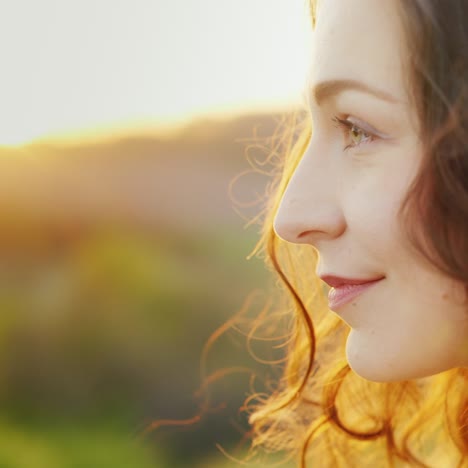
345	203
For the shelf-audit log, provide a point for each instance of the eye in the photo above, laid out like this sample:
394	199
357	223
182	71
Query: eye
353	133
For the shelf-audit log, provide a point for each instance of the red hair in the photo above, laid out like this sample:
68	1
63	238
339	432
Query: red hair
319	411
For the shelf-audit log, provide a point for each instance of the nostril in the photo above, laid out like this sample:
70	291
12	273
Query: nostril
303	235
290	232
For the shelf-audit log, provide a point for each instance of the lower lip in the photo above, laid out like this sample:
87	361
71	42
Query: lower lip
340	296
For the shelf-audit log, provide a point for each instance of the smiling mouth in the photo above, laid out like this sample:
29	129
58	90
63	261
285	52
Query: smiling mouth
341	295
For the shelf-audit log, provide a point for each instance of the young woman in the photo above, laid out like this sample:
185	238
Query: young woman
372	206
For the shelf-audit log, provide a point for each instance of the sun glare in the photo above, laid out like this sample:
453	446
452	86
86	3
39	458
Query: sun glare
18	138
133	65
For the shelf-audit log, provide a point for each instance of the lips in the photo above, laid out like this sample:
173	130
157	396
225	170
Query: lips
345	289
337	281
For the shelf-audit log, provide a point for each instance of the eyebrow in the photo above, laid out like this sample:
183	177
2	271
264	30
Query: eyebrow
325	90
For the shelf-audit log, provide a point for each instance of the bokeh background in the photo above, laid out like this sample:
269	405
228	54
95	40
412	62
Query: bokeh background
129	130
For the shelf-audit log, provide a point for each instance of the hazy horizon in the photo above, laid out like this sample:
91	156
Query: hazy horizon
91	67
151	128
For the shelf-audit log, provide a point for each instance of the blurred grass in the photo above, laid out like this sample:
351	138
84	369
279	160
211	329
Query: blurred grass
116	325
70	446
117	263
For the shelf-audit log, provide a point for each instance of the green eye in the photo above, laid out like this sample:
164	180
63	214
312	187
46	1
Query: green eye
353	133
357	135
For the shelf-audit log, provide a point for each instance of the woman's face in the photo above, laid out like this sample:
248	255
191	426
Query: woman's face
345	194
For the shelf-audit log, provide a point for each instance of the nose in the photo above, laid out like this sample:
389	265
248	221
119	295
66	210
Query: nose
310	210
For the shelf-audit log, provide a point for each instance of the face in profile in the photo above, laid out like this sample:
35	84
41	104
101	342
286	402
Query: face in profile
345	195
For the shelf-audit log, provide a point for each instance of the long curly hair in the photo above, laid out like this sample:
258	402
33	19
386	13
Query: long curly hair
319	411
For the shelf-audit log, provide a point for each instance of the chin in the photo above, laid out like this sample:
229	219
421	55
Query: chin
369	361
374	375
372	364
365	360
380	376
370	373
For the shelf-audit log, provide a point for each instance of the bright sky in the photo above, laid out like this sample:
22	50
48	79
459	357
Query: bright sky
77	65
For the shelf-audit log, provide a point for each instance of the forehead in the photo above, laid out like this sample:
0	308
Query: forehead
359	40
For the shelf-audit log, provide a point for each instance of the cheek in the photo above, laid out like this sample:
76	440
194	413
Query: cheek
375	186
372	209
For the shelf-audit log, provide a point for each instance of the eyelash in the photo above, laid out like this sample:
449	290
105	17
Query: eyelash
346	126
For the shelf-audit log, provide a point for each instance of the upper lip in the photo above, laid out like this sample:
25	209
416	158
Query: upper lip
337	281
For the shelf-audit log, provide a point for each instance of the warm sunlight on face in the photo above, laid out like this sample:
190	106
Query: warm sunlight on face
346	192
72	66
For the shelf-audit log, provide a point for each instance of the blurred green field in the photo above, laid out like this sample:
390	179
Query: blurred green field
116	326
106	304
39	446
